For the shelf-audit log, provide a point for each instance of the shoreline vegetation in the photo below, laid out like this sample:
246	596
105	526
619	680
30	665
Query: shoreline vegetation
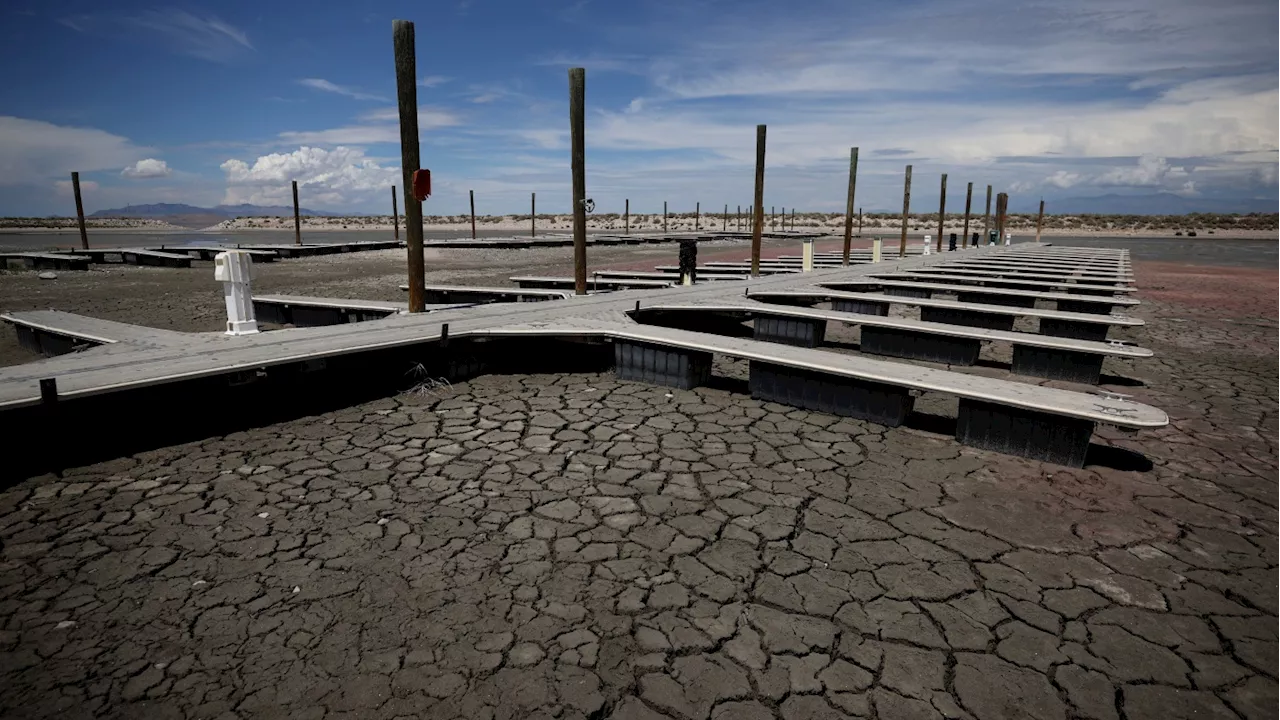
1253	225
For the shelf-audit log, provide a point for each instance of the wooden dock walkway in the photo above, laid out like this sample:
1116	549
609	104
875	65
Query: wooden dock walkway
1001	414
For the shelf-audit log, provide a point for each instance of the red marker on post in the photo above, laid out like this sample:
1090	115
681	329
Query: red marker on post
421	184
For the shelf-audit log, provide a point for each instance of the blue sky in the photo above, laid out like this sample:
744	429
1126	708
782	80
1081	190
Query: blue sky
226	102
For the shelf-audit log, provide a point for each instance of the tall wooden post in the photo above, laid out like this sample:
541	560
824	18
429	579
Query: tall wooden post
773	217
577	128
1002	204
859	222
738	219
725	226
664	217
848	204
757	223
407	99
395	213
968	202
84	233
627	215
942	211
1040	220
697	214
473	213
533	214
906	212
986	219
297	219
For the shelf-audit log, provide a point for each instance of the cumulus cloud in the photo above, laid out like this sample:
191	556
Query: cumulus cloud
1149	172
33	150
337	178
147	168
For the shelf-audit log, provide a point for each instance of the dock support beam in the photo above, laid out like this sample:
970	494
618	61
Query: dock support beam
801	332
410	162
925	346
1053	364
950	316
661	365
861	307
577	129
1029	434
883	404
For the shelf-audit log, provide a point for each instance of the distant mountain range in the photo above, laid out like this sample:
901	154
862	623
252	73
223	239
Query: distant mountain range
1150	204
166	210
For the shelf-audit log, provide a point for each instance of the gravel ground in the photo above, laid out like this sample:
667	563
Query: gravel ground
549	546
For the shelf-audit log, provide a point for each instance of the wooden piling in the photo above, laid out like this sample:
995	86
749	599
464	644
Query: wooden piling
773	217
533	214
1040	220
664	217
906	211
84	232
725	226
297	219
942	211
473	213
577	128
986	218
395	213
1002	200
757	222
697	214
968	202
627	215
848	204
410	162
738	219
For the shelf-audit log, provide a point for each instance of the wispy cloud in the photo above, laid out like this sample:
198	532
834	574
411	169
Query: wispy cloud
329	87
431	81
207	37
373	127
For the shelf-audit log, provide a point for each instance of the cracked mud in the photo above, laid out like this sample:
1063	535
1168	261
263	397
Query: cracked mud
576	547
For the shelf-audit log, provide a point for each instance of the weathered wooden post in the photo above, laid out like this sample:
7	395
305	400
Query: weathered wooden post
577	128
395	213
473	213
297	219
1040	220
84	233
1001	203
906	210
757	222
986	216
627	215
697	214
533	214
859	222
773	217
725	226
664	217
942	211
407	99
968	201
738	219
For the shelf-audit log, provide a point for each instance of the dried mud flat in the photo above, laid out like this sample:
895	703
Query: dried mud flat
575	547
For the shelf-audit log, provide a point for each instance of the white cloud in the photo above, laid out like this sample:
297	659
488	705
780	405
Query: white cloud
326	86
67	189
375	126
1149	172
33	150
431	81
1064	179
147	168
339	178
